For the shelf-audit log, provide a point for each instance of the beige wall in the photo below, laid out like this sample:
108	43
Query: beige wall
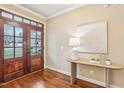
62	27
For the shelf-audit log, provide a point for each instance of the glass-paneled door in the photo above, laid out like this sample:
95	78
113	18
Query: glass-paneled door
13	52
21	49
35	48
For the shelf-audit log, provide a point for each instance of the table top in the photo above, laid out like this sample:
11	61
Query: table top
87	62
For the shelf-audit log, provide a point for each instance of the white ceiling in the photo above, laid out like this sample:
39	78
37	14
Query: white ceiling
49	10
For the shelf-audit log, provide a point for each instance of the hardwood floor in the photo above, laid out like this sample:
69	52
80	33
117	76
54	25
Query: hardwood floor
47	79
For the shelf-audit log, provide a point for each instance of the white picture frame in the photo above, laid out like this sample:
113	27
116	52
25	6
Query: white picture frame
93	38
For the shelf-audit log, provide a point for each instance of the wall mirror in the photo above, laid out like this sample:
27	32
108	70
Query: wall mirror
93	37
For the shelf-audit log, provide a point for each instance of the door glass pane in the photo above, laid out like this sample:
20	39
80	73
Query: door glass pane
38	42
8	30
33	42
33	23
38	34
33	50
33	34
18	42
17	18
8	41
18	52
26	21
18	31
7	15
8	53
38	50
13	41
39	25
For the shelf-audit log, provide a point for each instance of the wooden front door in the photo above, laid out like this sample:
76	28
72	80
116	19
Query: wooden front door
21	49
13	50
35	48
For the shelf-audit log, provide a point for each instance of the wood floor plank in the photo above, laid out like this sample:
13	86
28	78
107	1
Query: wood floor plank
47	79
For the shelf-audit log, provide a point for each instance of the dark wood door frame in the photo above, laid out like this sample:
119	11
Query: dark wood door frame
26	64
1	52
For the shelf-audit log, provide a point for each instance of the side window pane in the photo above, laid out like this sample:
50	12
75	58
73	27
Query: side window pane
18	42
33	34
8	41
8	30
18	31
38	34
18	52
8	53
33	50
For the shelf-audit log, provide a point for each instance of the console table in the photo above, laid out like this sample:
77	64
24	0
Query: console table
107	68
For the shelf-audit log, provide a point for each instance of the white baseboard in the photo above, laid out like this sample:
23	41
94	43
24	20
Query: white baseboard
82	78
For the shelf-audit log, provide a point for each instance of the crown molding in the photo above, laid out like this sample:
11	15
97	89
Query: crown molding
66	10
30	11
54	15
